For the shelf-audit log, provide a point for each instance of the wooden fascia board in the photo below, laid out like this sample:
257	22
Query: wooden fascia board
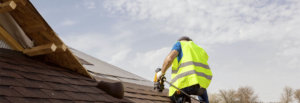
23	2
34	28
41	50
7	6
67	60
10	40
40	37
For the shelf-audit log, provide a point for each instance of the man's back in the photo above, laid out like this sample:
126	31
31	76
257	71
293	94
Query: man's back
189	68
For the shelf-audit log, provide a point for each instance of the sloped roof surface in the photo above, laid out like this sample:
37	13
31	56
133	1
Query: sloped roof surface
38	30
141	93
25	80
106	70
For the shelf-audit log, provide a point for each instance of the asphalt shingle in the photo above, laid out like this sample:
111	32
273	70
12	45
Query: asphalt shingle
18	84
8	91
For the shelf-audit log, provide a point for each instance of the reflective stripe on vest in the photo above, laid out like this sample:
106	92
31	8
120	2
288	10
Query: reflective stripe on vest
190	63
189	73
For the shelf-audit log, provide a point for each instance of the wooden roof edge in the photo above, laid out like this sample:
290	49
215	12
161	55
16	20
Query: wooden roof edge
71	65
48	46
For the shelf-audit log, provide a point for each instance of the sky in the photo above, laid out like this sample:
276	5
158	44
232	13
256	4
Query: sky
252	43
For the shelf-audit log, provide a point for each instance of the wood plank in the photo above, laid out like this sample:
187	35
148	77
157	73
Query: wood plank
10	40
40	50
67	60
35	28
23	2
7	6
61	48
52	36
28	15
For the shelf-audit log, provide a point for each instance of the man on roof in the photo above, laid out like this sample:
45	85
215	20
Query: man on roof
190	71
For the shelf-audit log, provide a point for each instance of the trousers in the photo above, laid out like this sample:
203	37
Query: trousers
192	90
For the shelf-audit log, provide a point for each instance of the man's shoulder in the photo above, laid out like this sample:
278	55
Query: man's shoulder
177	43
177	46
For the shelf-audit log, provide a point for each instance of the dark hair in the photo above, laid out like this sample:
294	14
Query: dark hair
185	38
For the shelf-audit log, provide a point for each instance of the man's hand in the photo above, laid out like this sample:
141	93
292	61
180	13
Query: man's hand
160	75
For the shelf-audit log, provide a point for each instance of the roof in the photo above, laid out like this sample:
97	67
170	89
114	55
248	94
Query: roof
57	76
24	18
105	70
142	94
24	79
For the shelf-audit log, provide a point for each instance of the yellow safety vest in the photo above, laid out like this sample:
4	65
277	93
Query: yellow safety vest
191	69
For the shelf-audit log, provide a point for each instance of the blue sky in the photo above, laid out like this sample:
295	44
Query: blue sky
250	42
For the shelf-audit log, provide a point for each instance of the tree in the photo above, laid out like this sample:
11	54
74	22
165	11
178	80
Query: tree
287	95
246	95
214	98
228	96
297	95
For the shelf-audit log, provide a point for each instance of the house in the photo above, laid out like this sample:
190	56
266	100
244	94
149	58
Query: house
37	67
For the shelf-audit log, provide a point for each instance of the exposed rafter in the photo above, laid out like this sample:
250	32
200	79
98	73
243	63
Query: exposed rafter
34	28
61	48
7	6
40	50
10	40
23	2
38	30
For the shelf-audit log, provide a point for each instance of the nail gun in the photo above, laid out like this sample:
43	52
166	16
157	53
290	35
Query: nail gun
158	83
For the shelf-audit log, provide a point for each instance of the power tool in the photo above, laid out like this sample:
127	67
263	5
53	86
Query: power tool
158	83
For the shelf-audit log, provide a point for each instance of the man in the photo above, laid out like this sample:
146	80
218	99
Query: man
190	71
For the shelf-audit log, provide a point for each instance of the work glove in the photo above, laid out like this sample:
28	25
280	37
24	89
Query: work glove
160	75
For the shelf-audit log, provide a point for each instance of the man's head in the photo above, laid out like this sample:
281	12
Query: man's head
185	38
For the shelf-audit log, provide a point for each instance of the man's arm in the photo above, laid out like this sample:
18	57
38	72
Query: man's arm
168	61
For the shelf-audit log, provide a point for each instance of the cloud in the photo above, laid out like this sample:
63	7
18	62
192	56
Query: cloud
249	42
117	50
68	22
211	23
146	62
89	4
289	48
289	54
111	47
120	56
98	44
250	39
217	21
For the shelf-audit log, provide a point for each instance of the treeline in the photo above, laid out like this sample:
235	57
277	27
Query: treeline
289	95
247	95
